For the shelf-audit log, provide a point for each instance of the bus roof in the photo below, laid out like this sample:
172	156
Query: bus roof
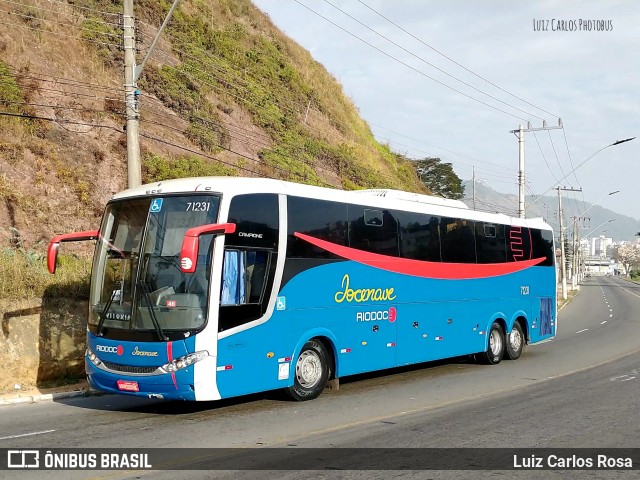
380	198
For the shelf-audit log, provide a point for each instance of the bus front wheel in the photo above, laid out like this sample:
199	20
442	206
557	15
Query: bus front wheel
495	345
515	342
311	372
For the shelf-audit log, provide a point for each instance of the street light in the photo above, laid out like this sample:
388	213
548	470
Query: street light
618	142
563	265
592	205
593	230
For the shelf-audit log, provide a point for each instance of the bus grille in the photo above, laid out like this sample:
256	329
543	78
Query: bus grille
129	368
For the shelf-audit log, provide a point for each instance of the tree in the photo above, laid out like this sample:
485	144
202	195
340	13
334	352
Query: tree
439	178
629	256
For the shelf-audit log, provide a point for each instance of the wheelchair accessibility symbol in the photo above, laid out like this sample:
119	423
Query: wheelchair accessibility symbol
281	303
156	205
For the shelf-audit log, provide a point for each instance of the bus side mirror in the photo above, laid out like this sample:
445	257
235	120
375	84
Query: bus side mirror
52	252
191	243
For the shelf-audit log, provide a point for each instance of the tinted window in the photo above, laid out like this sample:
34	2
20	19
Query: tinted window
374	230
419	236
490	243
316	218
256	217
543	246
457	239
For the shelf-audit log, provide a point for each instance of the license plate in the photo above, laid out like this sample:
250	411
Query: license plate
128	386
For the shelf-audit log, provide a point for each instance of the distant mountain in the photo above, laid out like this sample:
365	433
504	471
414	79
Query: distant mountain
597	218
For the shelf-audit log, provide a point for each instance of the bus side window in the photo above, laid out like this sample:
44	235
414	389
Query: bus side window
233	278
244	276
490	243
256	274
458	243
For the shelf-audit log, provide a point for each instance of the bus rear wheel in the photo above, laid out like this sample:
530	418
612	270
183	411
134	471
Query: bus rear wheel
495	345
311	372
515	342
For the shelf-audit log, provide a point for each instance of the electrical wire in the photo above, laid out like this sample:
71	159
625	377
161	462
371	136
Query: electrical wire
409	66
455	62
430	64
58	12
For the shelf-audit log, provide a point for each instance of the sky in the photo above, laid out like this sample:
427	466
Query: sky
520	62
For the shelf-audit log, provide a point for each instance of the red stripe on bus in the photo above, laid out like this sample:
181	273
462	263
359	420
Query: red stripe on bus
170	359
421	268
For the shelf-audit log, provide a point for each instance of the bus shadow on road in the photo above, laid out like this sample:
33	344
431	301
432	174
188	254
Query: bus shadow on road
270	399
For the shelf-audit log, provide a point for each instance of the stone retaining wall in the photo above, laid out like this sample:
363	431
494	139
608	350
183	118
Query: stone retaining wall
41	342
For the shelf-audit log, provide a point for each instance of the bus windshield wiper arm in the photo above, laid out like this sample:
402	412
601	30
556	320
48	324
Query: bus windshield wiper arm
103	314
152	313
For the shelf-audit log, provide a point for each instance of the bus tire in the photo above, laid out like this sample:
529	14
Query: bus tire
311	372
495	345
515	342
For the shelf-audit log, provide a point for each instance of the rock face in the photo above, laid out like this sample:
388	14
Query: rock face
42	342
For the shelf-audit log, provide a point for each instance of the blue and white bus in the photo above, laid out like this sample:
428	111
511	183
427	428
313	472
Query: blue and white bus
209	288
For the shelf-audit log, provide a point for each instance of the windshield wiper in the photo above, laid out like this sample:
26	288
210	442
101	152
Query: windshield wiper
145	291
106	308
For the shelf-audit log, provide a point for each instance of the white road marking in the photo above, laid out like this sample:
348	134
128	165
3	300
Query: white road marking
26	434
611	315
628	291
602	323
627	379
584	330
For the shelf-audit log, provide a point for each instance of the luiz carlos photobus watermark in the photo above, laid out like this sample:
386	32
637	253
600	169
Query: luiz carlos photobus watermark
572	25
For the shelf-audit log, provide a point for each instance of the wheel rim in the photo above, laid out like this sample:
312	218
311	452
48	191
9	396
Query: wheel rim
516	340
495	342
308	369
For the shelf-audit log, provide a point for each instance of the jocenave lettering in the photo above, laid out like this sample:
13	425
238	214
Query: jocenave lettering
362	294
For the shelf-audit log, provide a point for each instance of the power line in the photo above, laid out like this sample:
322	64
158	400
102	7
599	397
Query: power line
453	61
428	63
544	157
60	80
57	120
60	34
59	107
439	148
57	12
407	65
85	8
555	153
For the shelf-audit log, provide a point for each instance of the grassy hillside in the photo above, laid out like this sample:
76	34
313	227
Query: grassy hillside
224	93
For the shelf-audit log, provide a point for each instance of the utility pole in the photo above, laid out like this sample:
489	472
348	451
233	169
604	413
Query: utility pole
520	134
134	170
563	266
132	73
577	252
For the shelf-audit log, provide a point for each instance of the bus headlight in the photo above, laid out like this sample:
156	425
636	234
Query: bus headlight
184	362
93	358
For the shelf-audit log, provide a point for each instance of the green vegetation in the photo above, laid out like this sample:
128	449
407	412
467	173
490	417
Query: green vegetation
237	84
106	39
10	92
440	177
228	49
24	274
156	168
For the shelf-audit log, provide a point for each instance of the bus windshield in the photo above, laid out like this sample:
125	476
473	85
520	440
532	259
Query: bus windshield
136	283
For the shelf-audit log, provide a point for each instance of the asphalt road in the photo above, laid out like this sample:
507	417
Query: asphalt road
580	390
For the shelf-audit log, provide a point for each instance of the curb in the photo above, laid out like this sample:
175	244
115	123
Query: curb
46	397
